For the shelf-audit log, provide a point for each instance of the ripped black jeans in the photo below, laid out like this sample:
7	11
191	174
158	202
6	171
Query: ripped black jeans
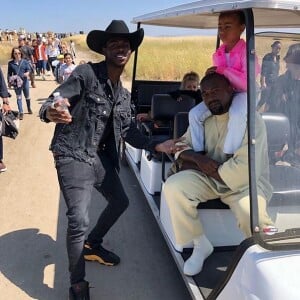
77	181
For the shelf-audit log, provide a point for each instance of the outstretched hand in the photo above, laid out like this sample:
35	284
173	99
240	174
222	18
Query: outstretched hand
56	114
169	146
6	108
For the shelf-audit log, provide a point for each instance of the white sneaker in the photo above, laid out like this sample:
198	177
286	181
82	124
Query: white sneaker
202	249
2	167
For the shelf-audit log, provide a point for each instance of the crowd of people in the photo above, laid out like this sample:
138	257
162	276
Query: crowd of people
30	59
284	98
213	151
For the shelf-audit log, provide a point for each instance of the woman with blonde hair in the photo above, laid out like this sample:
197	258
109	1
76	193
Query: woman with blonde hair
189	86
190	81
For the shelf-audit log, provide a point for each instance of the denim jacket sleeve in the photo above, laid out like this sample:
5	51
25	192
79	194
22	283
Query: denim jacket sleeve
3	88
72	89
135	138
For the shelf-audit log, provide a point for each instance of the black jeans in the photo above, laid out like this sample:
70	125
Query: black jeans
1	147
77	180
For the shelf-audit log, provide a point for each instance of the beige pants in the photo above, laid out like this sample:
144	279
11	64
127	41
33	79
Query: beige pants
186	189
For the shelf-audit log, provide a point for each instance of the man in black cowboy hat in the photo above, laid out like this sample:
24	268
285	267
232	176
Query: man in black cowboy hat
86	143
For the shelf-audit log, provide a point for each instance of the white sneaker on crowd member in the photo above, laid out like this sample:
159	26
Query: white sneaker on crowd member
2	167
202	249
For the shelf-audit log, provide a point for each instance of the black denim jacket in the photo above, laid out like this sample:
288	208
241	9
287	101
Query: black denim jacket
92	101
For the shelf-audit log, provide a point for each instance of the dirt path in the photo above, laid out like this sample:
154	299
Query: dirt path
29	190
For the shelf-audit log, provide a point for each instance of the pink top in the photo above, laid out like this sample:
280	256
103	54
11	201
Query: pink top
235	66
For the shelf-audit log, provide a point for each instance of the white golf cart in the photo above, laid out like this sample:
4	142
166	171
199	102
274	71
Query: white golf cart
267	265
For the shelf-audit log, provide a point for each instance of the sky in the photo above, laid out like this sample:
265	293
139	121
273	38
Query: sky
81	15
64	16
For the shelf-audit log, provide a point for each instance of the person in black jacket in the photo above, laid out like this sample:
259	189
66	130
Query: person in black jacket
86	143
269	72
285	97
4	94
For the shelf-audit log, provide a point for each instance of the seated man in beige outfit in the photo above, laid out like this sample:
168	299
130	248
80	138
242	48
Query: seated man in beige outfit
214	174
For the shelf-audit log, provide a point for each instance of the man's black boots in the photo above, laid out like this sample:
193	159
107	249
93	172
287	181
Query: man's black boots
79	291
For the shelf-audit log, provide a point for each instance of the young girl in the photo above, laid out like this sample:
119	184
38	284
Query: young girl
20	67
67	68
229	60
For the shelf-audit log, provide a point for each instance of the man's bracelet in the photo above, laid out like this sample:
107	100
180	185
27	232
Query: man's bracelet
5	103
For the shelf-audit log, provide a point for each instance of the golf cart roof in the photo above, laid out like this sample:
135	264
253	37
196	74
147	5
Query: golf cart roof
204	14
293	36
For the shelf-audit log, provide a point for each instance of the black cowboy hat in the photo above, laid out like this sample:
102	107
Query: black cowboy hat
276	44
97	39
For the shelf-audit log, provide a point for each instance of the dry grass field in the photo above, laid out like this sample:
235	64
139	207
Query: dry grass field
168	58
5	51
164	58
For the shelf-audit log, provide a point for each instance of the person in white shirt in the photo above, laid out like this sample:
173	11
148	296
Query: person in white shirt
58	63
67	68
52	52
